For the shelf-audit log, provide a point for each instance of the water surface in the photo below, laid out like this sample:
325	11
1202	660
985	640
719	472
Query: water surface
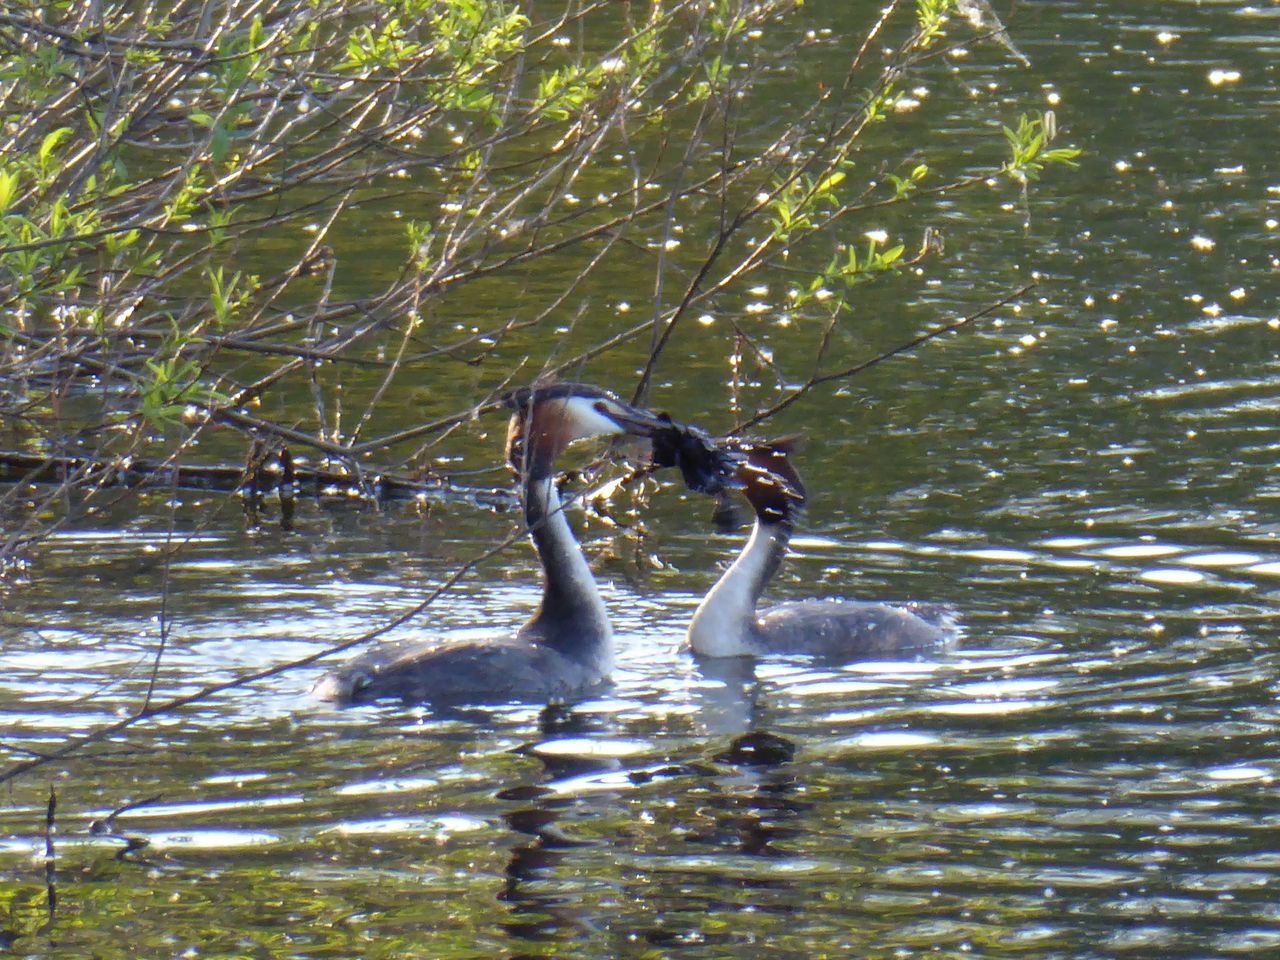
1090	479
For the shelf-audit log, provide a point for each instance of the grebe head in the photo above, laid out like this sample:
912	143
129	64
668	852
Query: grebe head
770	481
549	417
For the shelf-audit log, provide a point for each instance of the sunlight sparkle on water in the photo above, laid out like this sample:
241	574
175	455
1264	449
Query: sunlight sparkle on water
1070	543
1071	563
397	785
1224	559
1171	575
210	839
1000	555
986	708
1237	773
885	545
436	827
592	783
587	747
1003	688
1135	550
813	542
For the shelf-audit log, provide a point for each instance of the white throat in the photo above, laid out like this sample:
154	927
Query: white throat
584	420
724	623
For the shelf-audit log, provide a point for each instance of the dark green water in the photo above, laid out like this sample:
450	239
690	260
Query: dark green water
1090	479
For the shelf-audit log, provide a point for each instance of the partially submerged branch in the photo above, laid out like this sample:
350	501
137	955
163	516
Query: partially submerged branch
280	475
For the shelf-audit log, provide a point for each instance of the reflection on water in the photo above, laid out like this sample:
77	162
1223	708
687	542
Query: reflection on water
1091	774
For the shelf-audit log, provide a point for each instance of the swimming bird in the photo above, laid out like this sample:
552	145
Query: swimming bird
726	623
566	649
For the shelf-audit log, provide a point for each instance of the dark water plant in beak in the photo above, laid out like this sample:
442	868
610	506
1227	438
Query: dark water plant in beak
707	466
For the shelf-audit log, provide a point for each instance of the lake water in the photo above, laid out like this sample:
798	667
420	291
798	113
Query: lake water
1089	478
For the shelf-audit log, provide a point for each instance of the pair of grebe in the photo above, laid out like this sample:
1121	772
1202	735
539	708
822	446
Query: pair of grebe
566	650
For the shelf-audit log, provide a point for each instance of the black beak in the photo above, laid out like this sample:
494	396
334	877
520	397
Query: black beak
635	421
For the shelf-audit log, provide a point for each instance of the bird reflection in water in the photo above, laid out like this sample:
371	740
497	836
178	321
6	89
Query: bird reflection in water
743	810
539	909
762	790
746	796
750	808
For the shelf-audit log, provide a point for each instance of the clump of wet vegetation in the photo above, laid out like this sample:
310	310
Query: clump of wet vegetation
186	192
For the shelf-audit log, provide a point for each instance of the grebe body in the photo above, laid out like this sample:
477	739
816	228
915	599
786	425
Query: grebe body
566	649
727	624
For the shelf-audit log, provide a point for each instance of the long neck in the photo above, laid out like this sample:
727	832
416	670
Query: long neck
724	625
572	618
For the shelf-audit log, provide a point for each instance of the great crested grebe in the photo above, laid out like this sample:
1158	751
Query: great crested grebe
566	649
726	623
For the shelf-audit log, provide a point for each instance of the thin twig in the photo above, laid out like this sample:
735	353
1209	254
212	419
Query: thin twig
850	372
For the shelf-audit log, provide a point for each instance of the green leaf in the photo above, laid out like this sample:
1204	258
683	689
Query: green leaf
257	35
829	184
50	143
1065	155
8	190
